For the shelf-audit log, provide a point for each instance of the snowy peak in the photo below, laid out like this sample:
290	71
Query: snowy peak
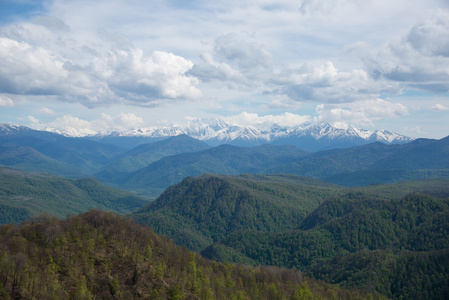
217	131
306	136
9	129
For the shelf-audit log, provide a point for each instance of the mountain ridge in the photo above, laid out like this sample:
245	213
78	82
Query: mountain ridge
214	132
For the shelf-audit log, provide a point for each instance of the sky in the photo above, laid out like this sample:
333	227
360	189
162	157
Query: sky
116	65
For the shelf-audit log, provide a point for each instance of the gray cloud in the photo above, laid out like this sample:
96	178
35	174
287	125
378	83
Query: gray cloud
241	52
244	64
236	61
419	59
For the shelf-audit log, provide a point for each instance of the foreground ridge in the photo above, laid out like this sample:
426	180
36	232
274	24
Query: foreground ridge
102	255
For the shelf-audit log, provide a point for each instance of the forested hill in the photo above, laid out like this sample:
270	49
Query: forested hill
224	159
23	194
200	211
398	247
100	255
392	239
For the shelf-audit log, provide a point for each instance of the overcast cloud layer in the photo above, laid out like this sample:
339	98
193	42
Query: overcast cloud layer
102	65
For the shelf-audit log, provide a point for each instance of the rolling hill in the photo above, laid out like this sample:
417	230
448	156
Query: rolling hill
145	154
358	166
225	159
375	163
149	169
82	156
316	227
24	194
200	211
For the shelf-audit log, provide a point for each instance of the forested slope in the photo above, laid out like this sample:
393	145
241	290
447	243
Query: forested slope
363	242
224	159
145	154
100	255
318	228
200	211
23	194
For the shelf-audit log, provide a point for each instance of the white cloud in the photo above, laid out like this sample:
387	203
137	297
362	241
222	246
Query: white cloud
77	126
33	120
5	101
361	113
239	62
118	76
325	83
440	107
138	79
69	121
30	70
256	55
46	111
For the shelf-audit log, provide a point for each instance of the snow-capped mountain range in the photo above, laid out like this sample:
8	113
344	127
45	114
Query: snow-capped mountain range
307	136
214	132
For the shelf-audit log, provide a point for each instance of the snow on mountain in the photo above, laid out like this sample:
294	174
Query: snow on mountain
307	136
216	131
72	132
10	129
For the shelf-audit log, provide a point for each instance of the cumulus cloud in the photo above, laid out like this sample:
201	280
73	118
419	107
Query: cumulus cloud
143	80
30	70
117	76
239	62
417	60
270	54
67	122
219	72
325	83
361	112
72	125
240	51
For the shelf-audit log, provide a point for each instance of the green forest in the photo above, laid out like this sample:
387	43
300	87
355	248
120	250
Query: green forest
392	239
102	255
24	194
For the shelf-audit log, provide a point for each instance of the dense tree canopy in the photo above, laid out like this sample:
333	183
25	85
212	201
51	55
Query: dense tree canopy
101	255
